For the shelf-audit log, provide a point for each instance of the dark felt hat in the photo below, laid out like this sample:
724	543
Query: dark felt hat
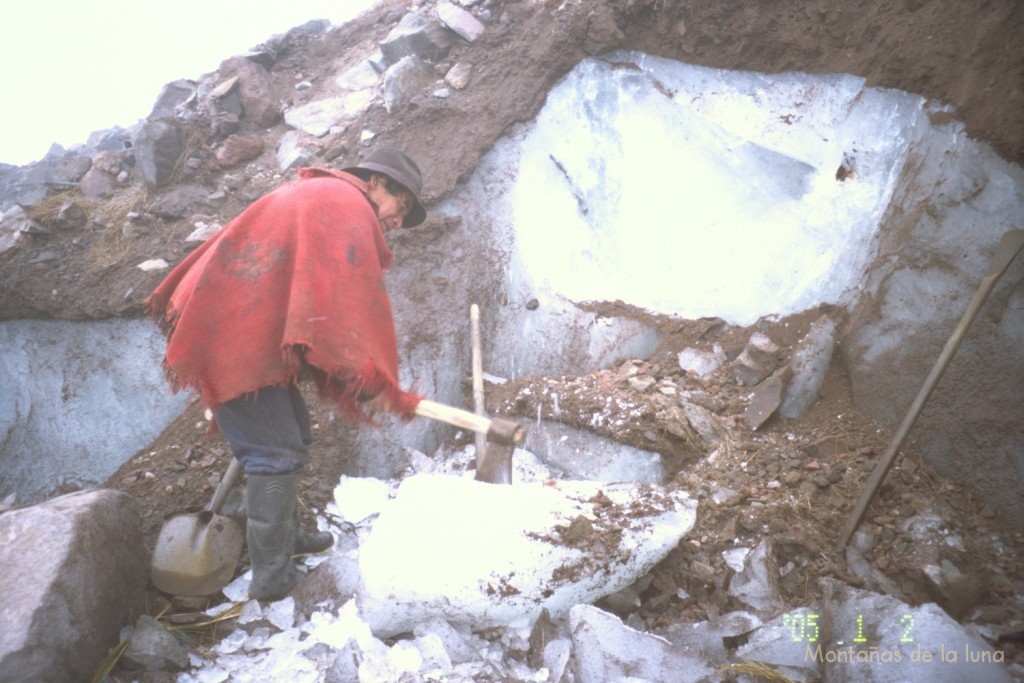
401	169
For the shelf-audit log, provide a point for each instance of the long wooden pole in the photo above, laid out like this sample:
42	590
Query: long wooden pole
1008	248
478	376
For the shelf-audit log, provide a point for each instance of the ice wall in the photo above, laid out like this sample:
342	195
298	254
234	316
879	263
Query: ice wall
700	192
77	400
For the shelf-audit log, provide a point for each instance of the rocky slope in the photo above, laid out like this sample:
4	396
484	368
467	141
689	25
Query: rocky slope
94	215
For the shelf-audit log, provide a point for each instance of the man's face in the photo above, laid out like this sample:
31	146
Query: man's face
391	209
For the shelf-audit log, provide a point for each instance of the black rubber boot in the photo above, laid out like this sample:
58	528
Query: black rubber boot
305	544
272	531
311	544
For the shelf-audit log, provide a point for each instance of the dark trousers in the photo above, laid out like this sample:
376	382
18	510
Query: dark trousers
267	430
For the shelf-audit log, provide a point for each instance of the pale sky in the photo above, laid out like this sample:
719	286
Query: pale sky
71	67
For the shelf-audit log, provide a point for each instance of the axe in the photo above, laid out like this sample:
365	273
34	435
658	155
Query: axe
495	465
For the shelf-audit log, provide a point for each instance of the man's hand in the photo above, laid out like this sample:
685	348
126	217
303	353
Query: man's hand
379	403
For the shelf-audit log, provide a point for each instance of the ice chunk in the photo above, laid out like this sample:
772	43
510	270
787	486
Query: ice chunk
486	555
581	454
356	498
810	363
734	151
875	639
702	363
608	650
281	613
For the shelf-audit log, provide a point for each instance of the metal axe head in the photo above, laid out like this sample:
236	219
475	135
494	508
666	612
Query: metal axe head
494	465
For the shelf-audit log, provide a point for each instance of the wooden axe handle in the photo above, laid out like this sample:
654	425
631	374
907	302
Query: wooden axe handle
453	416
501	430
478	373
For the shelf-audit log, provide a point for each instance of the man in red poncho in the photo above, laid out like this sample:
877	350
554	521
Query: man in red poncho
294	286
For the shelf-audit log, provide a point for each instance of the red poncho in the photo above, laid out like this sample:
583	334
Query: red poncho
298	276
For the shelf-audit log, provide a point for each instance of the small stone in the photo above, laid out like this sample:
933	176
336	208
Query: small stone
458	76
153	264
748	523
464	24
203	232
134	227
45	256
702	571
217	198
71	215
641	383
238	148
729	530
152	648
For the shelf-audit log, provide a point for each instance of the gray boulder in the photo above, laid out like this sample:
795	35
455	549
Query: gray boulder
180	202
71	168
459	20
404	79
158	146
151	647
757	360
171	96
417	35
73	572
254	88
97	183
